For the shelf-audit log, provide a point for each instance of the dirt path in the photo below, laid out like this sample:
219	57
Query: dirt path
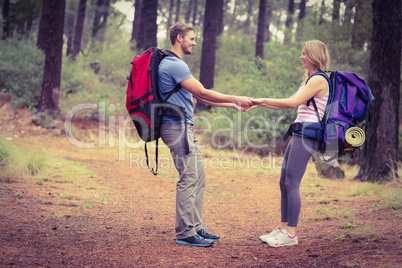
92	210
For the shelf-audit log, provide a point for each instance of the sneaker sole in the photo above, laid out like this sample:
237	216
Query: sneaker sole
210	239
277	245
192	244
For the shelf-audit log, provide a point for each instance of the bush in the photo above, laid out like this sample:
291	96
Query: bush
21	71
81	84
11	164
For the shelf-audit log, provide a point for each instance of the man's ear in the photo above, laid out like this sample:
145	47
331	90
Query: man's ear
179	38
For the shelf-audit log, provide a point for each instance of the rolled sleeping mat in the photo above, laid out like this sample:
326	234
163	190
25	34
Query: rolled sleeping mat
354	137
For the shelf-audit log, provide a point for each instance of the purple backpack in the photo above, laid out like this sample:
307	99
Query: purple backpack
345	118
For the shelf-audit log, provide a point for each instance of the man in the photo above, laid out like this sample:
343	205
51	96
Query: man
190	188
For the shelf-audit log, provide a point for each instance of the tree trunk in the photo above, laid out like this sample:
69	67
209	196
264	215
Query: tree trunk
195	12
44	25
188	11
259	50
148	26
335	11
137	20
207	70
321	20
247	23
177	11
97	18
347	22
380	161
221	10
300	20
69	26
6	18
267	34
302	9
289	22
362	25
49	100
79	27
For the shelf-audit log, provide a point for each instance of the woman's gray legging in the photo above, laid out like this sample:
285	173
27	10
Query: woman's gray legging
297	154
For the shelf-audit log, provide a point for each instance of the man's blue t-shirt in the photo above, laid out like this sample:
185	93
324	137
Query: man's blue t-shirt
172	71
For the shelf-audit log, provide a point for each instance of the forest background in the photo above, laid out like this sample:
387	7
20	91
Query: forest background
96	71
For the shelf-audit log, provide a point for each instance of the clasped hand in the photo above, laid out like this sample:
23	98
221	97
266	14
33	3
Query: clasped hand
246	104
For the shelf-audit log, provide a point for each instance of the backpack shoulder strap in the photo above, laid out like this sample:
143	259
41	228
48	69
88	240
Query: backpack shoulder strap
154	171
178	86
312	99
170	53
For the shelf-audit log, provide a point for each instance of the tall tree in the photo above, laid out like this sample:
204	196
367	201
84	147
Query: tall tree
262	14
195	11
177	11
221	10
247	22
347	17
44	24
302	8
100	19
79	28
6	18
270	9
207	70
289	22
380	162
335	11
169	19
69	25
53	13
362	24
148	26
188	11
323	8
137	20
300	20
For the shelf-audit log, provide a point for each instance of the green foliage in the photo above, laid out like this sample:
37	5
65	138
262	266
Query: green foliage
89	205
21	71
389	194
242	74
341	237
80	84
10	164
35	162
348	225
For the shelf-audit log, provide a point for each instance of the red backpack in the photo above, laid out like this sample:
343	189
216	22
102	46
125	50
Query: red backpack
143	100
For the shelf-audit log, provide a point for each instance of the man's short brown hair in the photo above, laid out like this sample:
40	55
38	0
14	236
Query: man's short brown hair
178	28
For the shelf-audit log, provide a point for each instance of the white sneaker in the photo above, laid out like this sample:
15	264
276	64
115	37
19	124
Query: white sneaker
282	239
274	233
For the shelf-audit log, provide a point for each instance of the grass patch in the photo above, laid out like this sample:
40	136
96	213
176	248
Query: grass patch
366	234
348	225
366	189
11	161
389	195
328	212
35	162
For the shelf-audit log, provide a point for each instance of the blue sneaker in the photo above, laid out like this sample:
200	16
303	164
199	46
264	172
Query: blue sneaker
196	240
207	235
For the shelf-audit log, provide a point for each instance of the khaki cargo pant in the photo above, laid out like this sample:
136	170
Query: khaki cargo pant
191	185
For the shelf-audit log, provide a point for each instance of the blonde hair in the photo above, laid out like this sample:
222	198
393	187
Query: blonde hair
316	53
178	28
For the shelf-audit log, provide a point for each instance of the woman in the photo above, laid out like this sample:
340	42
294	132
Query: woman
299	150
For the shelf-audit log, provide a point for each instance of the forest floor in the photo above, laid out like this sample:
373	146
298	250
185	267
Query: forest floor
88	208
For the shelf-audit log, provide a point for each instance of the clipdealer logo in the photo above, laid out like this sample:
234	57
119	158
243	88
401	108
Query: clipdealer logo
112	134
